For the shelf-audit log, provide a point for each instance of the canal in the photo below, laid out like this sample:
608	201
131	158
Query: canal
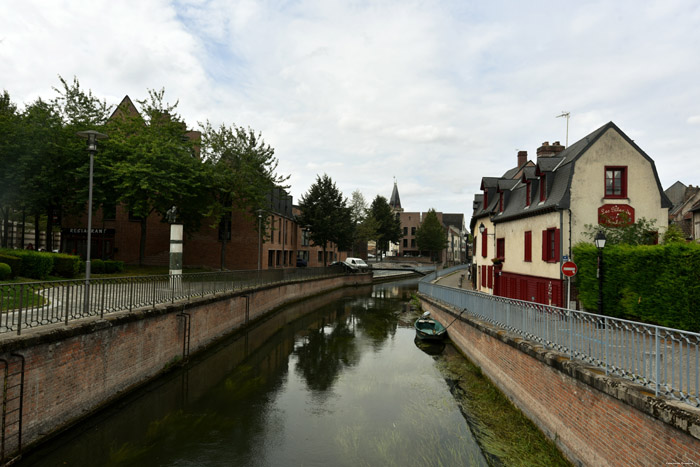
333	380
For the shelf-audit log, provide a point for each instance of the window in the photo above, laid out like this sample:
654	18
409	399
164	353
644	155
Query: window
405	231
616	182
501	248
304	237
320	257
270	258
543	187
528	187
413	230
528	246
550	245
413	243
500	201
405	242
484	243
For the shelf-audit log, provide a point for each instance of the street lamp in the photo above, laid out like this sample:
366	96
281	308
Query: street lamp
92	136
600	244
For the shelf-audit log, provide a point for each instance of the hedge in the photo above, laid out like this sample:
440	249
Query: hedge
656	284
67	266
5	271
35	264
14	262
97	266
114	266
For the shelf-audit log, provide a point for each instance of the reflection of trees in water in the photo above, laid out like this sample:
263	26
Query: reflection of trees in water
325	352
378	322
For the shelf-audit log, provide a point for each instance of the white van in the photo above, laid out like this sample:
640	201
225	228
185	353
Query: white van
356	264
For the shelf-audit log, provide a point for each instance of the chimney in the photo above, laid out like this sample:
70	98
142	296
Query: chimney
548	151
522	158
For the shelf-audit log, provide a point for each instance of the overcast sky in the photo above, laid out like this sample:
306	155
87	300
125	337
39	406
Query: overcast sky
435	93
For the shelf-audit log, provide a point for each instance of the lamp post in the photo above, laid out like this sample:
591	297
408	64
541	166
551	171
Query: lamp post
92	136
600	244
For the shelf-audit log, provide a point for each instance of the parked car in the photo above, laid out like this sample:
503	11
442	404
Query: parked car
356	264
301	263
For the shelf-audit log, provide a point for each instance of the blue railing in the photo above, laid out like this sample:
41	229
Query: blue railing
664	360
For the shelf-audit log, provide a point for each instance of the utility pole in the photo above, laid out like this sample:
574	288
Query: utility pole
566	114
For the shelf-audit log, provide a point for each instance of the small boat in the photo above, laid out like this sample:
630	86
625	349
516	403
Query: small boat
429	329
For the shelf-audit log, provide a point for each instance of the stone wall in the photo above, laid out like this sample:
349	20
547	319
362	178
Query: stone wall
71	371
594	419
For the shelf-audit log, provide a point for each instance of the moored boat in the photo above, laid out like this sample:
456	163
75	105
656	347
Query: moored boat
429	329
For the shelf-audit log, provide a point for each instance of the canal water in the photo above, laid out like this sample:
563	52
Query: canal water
334	380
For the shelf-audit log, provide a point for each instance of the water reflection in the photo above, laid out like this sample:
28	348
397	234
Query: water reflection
335	380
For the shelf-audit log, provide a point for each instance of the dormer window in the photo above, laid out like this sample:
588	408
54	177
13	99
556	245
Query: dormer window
486	199
543	187
500	201
616	182
528	187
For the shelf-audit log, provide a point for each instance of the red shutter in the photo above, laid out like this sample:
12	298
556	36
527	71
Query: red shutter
483	276
484	243
528	246
490	277
557	251
544	245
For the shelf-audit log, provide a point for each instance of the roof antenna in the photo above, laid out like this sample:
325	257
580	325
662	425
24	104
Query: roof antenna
566	114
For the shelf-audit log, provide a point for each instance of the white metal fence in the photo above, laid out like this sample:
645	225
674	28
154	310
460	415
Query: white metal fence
662	359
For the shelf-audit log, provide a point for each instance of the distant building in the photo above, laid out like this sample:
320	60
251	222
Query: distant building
685	201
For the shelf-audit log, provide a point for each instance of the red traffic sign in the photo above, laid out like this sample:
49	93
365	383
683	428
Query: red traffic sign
569	268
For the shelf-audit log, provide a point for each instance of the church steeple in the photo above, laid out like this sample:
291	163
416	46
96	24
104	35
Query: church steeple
395	201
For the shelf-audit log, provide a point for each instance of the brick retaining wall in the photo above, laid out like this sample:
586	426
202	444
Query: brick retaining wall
594	419
71	371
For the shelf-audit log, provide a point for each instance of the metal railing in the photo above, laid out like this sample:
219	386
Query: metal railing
33	304
664	360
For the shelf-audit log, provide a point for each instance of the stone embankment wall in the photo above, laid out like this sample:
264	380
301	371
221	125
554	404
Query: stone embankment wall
594	419
71	371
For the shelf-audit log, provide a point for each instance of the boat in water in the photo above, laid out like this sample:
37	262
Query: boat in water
429	329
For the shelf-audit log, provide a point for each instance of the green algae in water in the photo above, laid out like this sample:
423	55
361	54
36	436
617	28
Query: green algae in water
505	434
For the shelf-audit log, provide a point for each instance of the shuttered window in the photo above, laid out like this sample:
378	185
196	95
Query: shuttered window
550	245
528	246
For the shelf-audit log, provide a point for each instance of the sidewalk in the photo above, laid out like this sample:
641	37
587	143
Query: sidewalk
454	280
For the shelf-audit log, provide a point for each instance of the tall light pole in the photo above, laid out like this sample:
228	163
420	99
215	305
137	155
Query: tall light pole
92	136
259	239
600	244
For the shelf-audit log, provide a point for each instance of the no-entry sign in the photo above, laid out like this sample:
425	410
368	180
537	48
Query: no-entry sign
569	268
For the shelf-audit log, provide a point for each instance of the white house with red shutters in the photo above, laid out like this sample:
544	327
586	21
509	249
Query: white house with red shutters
525	222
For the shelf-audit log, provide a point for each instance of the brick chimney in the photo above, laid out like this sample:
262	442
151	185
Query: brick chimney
522	158
548	151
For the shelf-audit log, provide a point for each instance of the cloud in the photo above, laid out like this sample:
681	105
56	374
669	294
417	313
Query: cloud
438	94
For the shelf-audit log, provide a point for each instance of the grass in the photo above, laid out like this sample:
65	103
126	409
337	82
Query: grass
501	429
11	296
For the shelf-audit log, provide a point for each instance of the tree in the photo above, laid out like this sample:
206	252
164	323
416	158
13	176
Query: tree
642	232
673	234
388	224
325	213
431	235
243	172
154	166
364	227
10	148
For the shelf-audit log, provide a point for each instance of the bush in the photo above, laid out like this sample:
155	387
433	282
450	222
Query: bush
35	264
5	271
14	262
114	266
67	266
97	266
656	284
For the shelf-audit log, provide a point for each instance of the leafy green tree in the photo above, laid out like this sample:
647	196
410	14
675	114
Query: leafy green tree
642	232
673	234
388	224
243	173
431	235
364	227
154	167
325	213
10	150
